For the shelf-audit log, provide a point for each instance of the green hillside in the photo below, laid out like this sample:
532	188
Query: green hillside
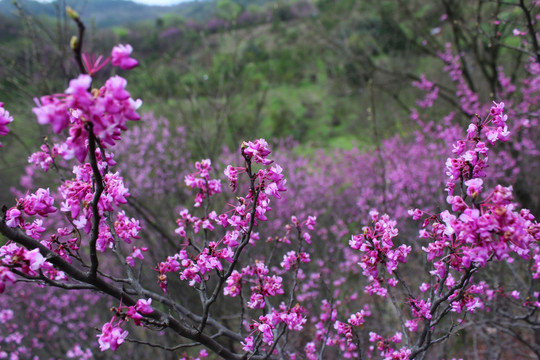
314	71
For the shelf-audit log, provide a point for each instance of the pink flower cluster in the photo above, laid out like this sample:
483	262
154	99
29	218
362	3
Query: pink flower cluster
76	352
432	92
125	228
5	119
343	335
45	158
357	320
271	182
265	182
231	173
484	229
188	222
106	110
5	275
197	268
137	253
202	354
293	318
29	262
112	335
292	259
302	227
420	308
201	180
263	284
39	203
385	346
164	267
378	247
78	193
476	231
471	160
257	151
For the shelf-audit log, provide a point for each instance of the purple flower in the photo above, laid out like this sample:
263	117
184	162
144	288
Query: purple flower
121	57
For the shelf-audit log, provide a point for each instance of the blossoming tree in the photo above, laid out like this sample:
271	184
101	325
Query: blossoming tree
220	287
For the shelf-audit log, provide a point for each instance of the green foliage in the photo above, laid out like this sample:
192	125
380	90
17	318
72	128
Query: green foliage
120	31
228	9
300	77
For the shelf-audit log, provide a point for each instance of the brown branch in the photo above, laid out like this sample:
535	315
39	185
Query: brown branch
245	241
530	29
77	42
20	238
98	188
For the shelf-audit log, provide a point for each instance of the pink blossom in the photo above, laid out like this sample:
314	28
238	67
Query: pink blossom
420	308
248	344
415	214
257	150
137	253
5	119
474	187
233	286
40	203
13	217
256	301
358	319
41	158
111	337
265	327
34	258
144	306
412	325
6	276
78	89
121	57
232	176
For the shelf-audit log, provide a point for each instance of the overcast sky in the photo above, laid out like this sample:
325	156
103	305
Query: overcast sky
148	2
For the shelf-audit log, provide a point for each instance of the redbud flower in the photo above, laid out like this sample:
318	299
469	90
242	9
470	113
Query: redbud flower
35	259
120	57
257	150
111	337
144	306
474	187
5	276
13	217
248	344
5	119
415	213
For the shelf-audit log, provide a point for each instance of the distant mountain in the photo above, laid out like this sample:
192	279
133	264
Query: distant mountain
106	13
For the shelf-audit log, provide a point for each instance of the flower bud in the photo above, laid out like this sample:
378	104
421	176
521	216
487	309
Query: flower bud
74	42
72	13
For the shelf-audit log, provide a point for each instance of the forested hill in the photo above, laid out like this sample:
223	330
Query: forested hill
106	13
